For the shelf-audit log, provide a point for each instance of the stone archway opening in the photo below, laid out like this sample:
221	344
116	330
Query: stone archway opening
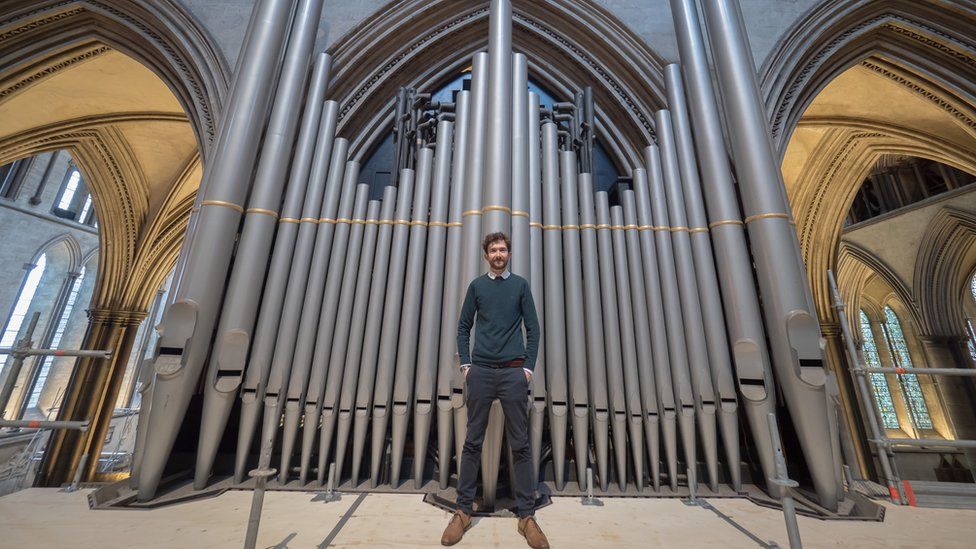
872	106
120	106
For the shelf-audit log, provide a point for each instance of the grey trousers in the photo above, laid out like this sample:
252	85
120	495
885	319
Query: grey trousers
509	386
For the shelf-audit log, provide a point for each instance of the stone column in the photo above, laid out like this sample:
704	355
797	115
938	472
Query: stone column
958	393
948	177
920	178
91	395
853	436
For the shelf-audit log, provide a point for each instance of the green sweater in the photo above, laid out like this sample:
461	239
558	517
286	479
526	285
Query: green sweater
501	306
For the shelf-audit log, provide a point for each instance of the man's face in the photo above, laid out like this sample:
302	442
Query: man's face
498	255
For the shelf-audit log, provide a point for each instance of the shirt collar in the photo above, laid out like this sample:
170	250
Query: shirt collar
505	274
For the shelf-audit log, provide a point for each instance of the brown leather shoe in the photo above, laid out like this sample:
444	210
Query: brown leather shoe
529	528
460	523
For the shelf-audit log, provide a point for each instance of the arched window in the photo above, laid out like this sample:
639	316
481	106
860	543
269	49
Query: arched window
882	393
56	340
23	303
909	382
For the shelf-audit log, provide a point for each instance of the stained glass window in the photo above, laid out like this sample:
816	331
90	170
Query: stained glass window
908	382
882	394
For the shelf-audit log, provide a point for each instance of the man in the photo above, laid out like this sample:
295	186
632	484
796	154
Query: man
499	368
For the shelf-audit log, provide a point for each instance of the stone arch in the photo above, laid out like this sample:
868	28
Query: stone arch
943	270
41	37
927	48
42	42
855	269
590	47
823	192
72	258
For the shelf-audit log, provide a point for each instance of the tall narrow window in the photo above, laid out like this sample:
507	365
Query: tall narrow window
969	321
882	393
56	340
74	201
70	188
909	382
83	217
23	303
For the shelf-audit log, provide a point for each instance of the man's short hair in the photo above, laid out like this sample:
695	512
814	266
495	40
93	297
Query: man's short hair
495	237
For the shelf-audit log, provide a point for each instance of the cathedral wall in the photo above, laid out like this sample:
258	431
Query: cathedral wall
767	20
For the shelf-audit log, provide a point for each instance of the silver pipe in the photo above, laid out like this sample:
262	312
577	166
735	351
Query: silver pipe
596	364
741	303
704	261
349	336
555	303
498	129
537	409
521	261
304	288
617	398
333	338
471	263
963	372
642	329
685	401
237	315
79	353
666	390
390	329
192	317
357	404
319	313
497	200
41	424
575	329
406	350
306	185
430	318
794	332
448	372
691	314
628	343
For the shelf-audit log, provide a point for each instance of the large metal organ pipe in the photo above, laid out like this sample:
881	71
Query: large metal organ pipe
652	336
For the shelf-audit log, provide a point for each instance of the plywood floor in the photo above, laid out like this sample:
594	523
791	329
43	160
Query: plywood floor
48	518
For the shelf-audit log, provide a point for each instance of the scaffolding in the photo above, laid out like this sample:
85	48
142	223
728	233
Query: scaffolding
899	490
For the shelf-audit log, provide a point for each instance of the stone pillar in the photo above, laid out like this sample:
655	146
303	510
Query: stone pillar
91	395
958	393
948	177
920	178
854	442
910	187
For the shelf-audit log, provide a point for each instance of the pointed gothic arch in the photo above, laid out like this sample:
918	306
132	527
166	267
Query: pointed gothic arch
925	48
568	44
41	37
943	270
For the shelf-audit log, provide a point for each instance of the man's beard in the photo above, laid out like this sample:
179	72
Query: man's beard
499	264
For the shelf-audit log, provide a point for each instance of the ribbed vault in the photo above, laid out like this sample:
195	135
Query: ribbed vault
946	258
922	38
569	45
87	77
38	37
